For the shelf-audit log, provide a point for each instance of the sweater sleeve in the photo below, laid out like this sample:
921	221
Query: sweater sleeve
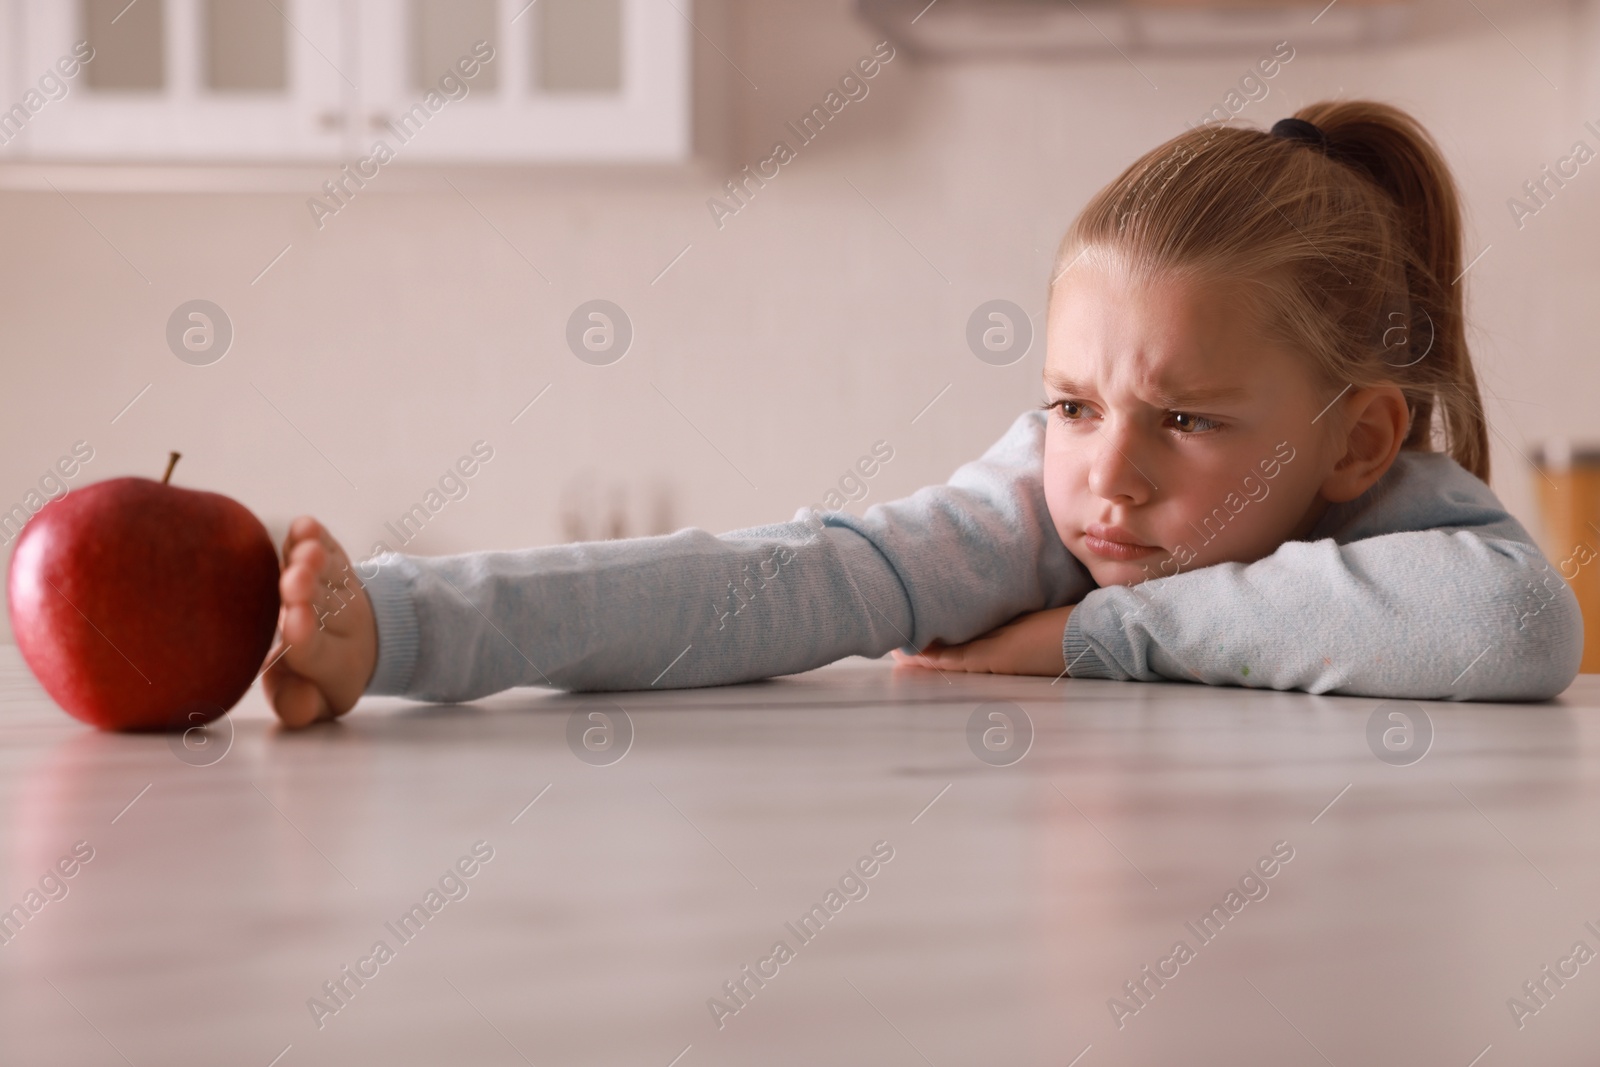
692	609
1424	588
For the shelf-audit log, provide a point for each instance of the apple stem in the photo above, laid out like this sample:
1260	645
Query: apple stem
172	461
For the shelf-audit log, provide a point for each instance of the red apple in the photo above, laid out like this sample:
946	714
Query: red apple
142	606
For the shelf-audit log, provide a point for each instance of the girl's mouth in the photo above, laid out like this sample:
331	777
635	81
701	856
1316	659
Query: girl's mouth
1113	542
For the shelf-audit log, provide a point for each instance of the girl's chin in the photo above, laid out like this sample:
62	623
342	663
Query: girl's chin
1112	572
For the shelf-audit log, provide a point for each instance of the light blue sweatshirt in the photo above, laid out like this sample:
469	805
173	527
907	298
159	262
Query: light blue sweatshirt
1424	587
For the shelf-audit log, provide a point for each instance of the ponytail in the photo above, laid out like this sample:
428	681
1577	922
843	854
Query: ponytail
1391	148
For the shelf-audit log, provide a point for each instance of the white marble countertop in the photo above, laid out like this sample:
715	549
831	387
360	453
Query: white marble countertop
229	881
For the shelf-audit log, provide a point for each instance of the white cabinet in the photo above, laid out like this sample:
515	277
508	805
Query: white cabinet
570	79
498	81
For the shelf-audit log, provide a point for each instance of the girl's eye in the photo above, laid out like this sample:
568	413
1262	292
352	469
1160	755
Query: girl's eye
1069	410
1190	424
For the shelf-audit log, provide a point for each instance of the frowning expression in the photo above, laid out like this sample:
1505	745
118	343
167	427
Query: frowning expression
1179	433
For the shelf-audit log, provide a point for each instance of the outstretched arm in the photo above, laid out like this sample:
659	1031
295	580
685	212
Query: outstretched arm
948	563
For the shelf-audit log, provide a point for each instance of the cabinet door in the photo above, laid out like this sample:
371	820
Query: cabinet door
199	80
570	80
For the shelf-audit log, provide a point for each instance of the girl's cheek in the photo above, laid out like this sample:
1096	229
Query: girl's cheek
1056	475
1066	483
1058	492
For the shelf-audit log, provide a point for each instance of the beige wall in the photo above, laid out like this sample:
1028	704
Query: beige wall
793	339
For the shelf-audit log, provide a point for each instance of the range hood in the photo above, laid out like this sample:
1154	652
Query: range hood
955	29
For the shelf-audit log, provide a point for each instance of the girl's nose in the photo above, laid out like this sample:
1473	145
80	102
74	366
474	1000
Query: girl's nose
1115	472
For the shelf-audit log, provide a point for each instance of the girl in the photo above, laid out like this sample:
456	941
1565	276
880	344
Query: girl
1261	461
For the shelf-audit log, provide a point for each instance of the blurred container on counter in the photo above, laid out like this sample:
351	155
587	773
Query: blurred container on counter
1569	498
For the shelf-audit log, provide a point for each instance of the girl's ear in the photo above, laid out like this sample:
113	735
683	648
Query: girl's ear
1375	423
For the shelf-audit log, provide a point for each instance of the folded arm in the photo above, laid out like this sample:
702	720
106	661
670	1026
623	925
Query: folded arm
1464	607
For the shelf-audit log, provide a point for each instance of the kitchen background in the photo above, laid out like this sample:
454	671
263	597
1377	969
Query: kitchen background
771	348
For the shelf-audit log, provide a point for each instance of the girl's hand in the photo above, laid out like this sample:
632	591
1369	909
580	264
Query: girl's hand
1028	644
329	645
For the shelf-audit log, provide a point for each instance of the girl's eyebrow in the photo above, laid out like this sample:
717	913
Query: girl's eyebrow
1179	398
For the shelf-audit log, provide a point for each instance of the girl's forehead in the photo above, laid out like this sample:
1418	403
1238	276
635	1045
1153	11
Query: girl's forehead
1163	337
1143	330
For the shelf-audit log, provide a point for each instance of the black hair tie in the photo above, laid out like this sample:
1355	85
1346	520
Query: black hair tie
1302	131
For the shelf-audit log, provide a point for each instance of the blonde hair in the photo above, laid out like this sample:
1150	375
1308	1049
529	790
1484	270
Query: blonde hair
1350	254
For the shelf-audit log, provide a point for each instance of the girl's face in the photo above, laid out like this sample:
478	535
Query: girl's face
1179	435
